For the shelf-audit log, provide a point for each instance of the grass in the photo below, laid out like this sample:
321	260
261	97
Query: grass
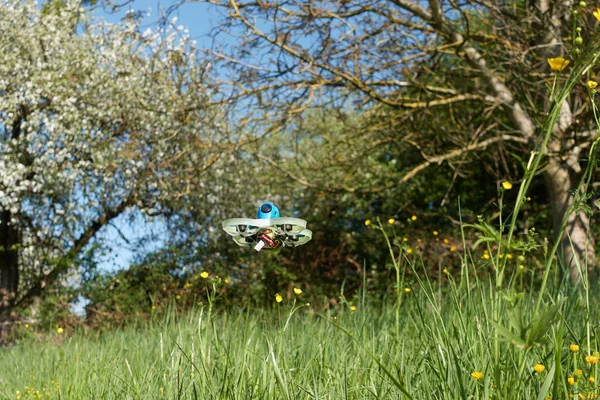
292	352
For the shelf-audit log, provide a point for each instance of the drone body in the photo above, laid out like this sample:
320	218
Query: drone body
269	230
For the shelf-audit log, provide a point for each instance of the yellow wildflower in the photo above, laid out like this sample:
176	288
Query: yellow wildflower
405	240
435	233
298	291
204	274
407	290
596	14
414	217
592	84
391	221
507	185
368	222
446	241
591	380
60	330
477	375
571	381
579	371
591	359
486	256
226	280
452	249
278	298
352	308
558	63
26	326
539	368
509	256
409	250
445	271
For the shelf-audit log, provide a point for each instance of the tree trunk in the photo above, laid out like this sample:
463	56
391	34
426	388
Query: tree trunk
9	270
577	243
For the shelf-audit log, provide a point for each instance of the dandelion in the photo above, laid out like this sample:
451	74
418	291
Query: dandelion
571	381
539	368
507	185
592	84
204	274
414	217
59	330
391	221
409	250
446	241
591	359
559	63
435	233
368	222
486	256
278	298
352	308
596	14
591	380
298	291
574	348
477	375
407	290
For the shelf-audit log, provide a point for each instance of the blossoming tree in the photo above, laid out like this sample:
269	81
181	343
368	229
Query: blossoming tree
447	79
95	119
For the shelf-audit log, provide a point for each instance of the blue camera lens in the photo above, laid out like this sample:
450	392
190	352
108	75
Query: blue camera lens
266	208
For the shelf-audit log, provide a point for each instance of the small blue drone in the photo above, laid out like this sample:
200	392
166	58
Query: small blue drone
269	230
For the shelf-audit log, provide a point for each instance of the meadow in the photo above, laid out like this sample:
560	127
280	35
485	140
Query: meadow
453	337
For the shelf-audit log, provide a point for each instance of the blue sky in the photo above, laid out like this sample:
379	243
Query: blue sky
199	20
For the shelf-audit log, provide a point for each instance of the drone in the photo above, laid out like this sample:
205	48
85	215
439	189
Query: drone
269	230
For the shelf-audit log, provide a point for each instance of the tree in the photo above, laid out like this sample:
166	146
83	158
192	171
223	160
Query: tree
95	119
480	64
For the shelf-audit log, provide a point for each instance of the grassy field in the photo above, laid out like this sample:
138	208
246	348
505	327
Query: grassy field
467	341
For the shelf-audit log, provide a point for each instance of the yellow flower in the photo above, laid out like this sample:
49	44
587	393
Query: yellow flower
558	63
405	240
509	256
446	241
178	297
407	290
592	84
477	375
445	271
414	217
368	222
409	251
574	348
352	308
391	221
452	249
591	359
419	240
486	256
226	280
507	185
597	14
162	389
204	274
539	368
298	291
435	233
591	380
26	326
60	330
278	298
571	381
